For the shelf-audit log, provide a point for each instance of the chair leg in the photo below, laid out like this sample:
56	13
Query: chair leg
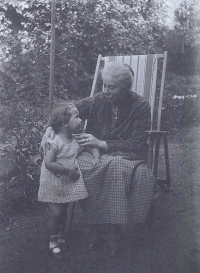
70	215
157	148
150	152
167	160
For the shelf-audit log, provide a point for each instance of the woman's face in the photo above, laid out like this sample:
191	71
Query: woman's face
114	92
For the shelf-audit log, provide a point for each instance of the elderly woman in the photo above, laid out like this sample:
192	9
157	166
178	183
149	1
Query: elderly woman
121	187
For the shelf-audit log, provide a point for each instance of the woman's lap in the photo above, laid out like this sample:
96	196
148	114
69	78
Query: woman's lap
108	184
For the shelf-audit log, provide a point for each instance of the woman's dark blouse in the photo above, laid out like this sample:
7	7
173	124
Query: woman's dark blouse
128	137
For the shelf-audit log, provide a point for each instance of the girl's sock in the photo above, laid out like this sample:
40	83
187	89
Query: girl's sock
61	238
62	241
61	235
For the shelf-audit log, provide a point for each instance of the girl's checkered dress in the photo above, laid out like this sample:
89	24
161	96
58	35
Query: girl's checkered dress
55	189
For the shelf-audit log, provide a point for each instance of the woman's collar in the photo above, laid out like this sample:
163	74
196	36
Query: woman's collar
123	101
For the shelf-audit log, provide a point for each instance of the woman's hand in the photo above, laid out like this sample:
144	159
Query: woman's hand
85	140
50	133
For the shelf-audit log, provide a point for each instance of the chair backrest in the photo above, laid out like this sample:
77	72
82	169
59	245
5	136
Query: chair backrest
145	68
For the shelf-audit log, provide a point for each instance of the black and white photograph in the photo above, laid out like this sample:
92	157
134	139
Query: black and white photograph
99	136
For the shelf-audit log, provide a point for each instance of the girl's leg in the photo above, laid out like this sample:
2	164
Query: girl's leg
63	219
55	220
56	213
61	235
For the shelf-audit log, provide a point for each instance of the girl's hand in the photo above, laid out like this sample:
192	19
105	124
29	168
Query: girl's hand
96	161
50	133
85	140
73	173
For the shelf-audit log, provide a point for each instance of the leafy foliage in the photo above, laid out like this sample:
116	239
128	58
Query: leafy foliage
83	30
187	23
20	190
184	39
181	101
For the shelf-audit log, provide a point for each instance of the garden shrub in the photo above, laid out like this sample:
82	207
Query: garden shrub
181	100
25	132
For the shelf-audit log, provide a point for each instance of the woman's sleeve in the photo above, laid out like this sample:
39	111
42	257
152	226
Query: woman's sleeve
138	138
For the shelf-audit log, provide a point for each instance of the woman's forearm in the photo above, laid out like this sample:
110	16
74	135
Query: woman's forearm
103	145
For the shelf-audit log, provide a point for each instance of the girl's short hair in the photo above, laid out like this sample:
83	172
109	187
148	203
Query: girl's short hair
61	115
122	74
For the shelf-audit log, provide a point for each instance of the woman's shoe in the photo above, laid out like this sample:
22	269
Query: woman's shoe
94	238
114	249
93	241
114	240
114	252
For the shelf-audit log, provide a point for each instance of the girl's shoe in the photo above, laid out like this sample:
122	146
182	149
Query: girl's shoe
56	251
62	244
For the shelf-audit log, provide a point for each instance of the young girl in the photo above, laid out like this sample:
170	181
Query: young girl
61	180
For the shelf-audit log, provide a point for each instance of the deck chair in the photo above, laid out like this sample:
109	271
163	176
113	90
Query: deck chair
149	77
147	84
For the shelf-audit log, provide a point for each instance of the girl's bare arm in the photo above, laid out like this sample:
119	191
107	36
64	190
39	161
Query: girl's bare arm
50	162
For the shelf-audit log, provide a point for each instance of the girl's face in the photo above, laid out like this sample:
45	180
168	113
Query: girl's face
74	124
114	92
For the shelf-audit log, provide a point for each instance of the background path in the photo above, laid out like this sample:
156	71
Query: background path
173	246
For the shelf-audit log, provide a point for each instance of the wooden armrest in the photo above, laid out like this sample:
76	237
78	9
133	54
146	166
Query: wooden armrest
155	132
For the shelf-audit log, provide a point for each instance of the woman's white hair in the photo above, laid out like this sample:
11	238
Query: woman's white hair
122	74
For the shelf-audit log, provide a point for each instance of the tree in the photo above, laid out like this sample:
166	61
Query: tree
83	30
187	24
187	29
